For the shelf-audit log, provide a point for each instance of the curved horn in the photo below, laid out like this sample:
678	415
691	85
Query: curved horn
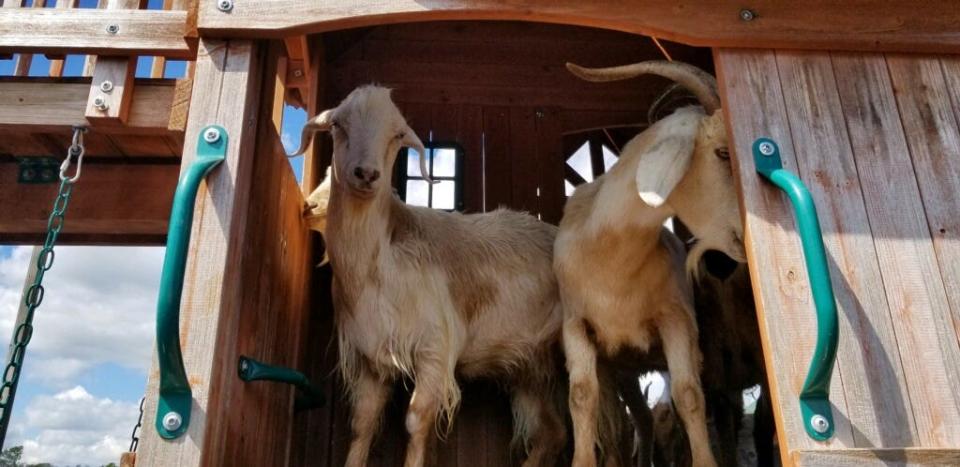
316	124
699	82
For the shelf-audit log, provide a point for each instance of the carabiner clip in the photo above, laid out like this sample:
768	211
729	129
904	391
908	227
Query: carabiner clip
76	149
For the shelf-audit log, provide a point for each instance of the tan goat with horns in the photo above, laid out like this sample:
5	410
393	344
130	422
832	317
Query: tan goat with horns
622	276
428	295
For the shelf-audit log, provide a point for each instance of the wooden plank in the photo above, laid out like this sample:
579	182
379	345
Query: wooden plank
933	138
20	320
226	92
54	105
56	64
141	32
313	169
523	160
111	89
946	234
471	138
551	163
806	24
123	204
272	309
915	291
873	377
128	459
879	457
496	158
751	91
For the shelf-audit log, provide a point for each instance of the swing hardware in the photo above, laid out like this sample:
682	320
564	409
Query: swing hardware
37	170
23	332
308	396
815	395
175	399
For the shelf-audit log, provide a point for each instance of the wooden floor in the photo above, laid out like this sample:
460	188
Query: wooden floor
876	139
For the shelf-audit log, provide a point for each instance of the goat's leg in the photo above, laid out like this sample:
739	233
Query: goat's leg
727	409
541	428
426	403
763	428
584	390
678	333
369	397
629	386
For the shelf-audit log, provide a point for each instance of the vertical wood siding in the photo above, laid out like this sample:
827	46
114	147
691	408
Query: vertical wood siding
876	140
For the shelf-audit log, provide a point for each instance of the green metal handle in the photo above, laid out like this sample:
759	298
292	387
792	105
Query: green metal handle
815	395
308	396
173	408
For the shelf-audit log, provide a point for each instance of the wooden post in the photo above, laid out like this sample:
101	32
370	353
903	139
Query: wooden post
112	86
22	312
226	92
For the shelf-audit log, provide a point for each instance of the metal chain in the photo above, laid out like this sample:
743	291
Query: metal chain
134	439
34	295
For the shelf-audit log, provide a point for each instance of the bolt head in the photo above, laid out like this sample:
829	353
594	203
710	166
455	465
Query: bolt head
113	28
106	86
100	103
224	5
747	15
819	424
211	135
298	73
766	149
172	421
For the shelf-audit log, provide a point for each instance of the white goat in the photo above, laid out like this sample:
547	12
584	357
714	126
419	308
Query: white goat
429	295
621	275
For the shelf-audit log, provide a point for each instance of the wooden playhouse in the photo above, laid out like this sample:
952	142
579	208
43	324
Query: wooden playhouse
862	98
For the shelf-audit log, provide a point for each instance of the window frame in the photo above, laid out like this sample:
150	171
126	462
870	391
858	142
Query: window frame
400	175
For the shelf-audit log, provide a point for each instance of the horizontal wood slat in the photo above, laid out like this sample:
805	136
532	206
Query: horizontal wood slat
122	204
806	24
51	105
84	30
878	457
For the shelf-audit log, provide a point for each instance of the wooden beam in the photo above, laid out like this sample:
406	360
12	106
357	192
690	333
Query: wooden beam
925	26
878	457
57	63
226	93
85	31
38	105
111	90
117	204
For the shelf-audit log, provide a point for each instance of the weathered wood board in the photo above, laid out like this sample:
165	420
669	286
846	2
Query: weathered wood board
875	139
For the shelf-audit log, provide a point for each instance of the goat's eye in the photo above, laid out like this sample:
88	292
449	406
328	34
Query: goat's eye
336	125
401	135
722	153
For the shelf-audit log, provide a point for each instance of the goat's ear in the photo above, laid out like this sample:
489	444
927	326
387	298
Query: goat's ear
321	122
412	141
666	159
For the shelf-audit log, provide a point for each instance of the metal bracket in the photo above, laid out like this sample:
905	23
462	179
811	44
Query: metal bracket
815	405
308	396
37	170
176	399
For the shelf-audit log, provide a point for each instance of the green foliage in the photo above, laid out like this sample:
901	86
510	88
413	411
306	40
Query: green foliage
11	457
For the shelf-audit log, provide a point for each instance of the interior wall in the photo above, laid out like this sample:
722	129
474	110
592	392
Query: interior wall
500	90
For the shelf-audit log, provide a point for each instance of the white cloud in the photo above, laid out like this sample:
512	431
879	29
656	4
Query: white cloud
287	139
74	426
98	307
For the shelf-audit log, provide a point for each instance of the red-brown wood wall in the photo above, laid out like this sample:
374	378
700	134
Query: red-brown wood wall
501	91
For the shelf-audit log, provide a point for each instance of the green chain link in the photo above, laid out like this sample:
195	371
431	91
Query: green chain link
34	295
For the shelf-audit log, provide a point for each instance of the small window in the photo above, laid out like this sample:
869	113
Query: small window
445	166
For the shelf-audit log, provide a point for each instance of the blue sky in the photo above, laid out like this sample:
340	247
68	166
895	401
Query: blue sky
94	332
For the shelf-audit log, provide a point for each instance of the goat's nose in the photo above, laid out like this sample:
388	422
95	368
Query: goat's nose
366	175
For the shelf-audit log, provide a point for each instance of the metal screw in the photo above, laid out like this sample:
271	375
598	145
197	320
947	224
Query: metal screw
113	28
766	148
211	135
540	113
100	103
225	5
298	73
172	421
819	423
747	15
106	86
244	365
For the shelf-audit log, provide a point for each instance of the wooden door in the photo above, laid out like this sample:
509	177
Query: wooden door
875	138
